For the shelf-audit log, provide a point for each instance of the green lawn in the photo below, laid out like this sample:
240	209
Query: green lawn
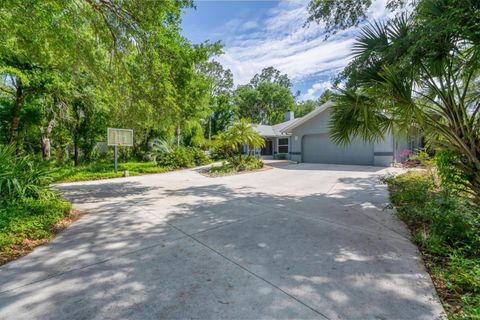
105	171
446	229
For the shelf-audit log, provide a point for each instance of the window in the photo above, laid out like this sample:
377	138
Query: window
283	145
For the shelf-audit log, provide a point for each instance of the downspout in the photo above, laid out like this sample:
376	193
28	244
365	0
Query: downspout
394	145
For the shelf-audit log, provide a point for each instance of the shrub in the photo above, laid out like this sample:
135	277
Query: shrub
446	226
406	189
200	158
182	157
21	176
250	163
452	178
442	220
422	157
281	156
247	163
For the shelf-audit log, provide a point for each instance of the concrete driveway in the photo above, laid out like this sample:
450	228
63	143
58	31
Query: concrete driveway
297	241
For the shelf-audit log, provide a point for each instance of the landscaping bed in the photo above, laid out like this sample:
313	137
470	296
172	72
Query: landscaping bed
245	164
446	228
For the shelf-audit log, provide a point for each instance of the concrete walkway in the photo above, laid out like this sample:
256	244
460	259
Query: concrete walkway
297	241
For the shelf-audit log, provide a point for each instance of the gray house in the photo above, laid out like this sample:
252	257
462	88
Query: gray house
307	139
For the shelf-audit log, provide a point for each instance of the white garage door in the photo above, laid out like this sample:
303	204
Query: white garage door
319	148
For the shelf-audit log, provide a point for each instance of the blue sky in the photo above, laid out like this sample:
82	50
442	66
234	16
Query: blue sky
258	34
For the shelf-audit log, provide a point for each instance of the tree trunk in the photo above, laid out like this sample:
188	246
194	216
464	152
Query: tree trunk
46	145
19	96
178	135
46	148
75	151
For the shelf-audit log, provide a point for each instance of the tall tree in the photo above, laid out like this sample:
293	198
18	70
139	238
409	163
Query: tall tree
271	75
67	35
221	97
266	99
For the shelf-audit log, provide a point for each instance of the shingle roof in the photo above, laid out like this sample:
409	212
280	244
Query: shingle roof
275	130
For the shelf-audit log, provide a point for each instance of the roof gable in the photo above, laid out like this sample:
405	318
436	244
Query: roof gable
288	129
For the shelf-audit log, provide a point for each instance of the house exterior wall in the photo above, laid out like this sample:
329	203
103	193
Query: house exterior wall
383	151
315	125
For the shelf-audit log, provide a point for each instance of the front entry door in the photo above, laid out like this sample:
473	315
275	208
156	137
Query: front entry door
268	149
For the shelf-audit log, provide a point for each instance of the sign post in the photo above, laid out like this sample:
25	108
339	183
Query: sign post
119	137
116	157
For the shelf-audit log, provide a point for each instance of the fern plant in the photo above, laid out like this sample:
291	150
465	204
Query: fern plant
21	177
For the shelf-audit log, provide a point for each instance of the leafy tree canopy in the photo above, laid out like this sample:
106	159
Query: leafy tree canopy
73	60
266	99
339	15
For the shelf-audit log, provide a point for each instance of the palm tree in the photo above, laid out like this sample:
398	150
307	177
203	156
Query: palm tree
420	69
236	136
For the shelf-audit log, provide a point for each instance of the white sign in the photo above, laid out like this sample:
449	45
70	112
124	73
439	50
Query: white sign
120	137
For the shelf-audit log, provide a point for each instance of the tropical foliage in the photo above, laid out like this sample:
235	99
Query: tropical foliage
446	228
420	68
248	163
28	208
230	143
21	177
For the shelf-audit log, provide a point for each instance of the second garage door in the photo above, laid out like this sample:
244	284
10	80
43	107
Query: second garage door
319	148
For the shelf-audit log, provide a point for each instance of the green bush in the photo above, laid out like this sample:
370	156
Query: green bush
446	227
250	163
182	157
247	163
451	221
412	187
452	178
21	177
281	156
200	158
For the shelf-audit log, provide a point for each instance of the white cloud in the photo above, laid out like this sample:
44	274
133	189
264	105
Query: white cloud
249	25
280	40
315	90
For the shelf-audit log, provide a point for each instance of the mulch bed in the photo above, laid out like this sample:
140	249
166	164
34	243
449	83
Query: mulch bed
207	173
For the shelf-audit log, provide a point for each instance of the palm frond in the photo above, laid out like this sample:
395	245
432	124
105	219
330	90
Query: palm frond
373	38
357	114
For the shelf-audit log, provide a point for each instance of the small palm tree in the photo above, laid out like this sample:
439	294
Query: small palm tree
236	136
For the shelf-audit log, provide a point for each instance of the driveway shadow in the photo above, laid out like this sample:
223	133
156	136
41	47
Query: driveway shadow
231	253
325	167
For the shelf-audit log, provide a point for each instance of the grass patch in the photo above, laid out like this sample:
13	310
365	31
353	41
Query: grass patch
30	222
98	171
446	229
